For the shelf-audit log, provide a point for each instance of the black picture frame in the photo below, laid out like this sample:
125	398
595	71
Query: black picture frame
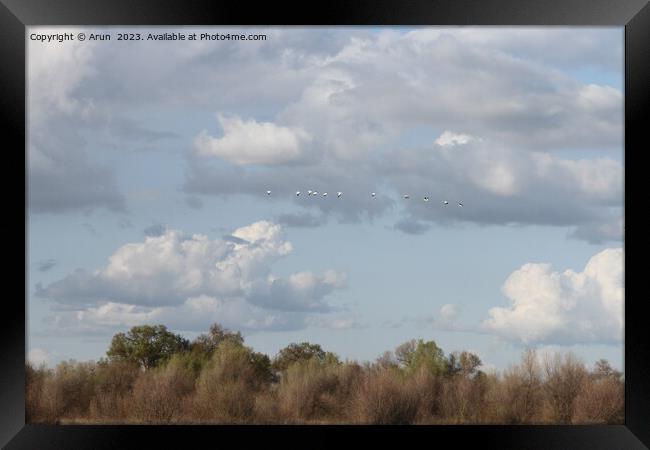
15	15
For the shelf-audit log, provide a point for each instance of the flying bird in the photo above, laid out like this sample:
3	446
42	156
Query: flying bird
324	194
426	199
314	193
338	194
373	194
445	202
460	204
297	193
309	192
406	196
268	192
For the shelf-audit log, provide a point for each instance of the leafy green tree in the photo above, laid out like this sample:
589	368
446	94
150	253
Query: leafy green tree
146	345
404	352
303	351
262	366
415	354
233	362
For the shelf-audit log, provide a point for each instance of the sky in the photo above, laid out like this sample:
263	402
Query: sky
149	163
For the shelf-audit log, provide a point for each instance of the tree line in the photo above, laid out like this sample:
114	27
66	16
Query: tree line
152	375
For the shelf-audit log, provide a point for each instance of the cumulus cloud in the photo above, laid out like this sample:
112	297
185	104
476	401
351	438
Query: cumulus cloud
377	86
302	291
499	122
448	138
194	314
505	172
344	110
187	280
62	175
502	186
251	142
551	307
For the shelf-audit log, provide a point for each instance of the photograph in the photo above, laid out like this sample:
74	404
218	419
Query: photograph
326	225
378	220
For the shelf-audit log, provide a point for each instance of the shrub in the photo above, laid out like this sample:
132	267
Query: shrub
313	389
384	398
296	353
158	395
35	379
219	380
564	380
522	390
426	386
601	401
463	399
226	388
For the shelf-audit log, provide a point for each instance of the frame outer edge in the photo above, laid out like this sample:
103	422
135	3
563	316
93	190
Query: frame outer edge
12	331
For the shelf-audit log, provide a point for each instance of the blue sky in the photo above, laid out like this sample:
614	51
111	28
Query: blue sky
146	158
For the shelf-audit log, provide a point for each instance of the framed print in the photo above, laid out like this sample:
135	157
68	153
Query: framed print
395	220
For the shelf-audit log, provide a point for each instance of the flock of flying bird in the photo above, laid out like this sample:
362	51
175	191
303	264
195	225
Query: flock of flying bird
373	195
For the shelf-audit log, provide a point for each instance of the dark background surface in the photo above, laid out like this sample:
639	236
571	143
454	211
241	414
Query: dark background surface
15	14
332	12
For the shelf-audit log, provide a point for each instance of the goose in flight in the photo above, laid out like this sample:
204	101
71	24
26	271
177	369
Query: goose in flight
426	199
297	193
338	194
309	192
406	196
314	193
268	192
324	194
373	194
445	202
460	204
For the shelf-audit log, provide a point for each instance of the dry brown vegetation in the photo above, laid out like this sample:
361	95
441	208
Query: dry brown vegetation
229	383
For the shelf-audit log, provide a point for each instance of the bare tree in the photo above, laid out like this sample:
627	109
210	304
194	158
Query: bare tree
564	380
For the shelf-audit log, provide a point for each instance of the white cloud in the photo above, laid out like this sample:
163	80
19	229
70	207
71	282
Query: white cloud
377	86
596	97
344	110
449	138
502	171
301	291
187	280
55	69
251	142
550	307
195	313
62	175
500	119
